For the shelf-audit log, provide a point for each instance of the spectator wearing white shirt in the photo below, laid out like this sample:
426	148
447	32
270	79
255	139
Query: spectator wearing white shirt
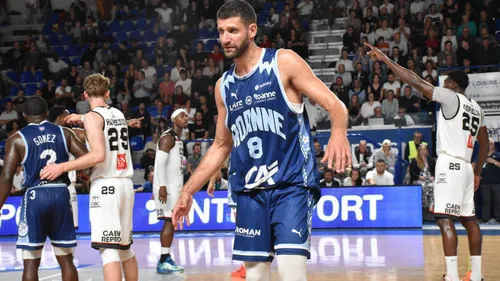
388	154
8	115
380	176
142	89
354	179
315	113
346	76
149	71
57	66
369	4
416	6
175	73
64	96
450	36
305	8
388	5
367	109
165	13
408	121
391	84
403	30
385	31
435	16
346	62
184	82
439	4
273	18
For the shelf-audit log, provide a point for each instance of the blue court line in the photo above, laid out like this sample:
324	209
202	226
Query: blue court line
20	268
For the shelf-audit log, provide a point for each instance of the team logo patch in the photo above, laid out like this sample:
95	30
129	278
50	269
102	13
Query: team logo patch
41	128
22	229
248	100
442	178
121	162
469	142
95	202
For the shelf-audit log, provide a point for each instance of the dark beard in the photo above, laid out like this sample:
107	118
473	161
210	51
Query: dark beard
240	50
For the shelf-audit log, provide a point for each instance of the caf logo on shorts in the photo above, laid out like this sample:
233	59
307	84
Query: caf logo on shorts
22	229
95	202
442	178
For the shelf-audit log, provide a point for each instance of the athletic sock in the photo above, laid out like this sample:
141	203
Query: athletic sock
476	268
452	268
165	253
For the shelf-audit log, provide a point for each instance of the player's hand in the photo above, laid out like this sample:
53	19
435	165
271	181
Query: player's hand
73	119
51	172
162	195
375	52
181	210
477	180
211	188
338	151
135	123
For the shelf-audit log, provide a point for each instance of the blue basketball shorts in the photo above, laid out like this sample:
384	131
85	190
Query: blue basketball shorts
273	221
46	212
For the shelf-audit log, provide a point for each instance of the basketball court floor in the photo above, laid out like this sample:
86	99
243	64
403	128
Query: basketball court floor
348	255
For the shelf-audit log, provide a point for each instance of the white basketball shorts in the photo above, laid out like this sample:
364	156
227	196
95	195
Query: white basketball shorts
111	210
453	188
164	210
74	203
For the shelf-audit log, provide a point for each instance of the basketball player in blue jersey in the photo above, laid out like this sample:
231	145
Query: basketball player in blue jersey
262	124
460	123
46	209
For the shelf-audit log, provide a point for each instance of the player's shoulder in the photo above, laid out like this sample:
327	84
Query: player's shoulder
443	90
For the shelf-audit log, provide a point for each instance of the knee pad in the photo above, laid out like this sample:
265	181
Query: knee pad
109	256
31	254
58	251
125	255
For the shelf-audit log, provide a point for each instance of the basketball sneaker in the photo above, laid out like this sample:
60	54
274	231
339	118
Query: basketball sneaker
467	277
168	267
240	273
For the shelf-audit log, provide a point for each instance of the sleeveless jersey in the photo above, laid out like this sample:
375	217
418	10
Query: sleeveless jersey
45	143
456	136
176	164
118	161
271	139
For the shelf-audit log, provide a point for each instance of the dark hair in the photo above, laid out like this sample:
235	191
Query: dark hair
183	71
55	112
381	161
35	106
238	8
359	181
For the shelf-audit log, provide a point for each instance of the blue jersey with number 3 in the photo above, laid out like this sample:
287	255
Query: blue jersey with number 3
272	144
45	144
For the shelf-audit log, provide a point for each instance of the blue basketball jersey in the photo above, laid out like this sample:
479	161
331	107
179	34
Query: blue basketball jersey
272	143
45	144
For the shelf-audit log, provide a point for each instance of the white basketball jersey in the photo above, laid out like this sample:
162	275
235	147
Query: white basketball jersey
71	174
456	136
118	161
176	164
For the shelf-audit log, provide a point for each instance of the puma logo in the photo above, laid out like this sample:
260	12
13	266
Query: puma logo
234	94
299	233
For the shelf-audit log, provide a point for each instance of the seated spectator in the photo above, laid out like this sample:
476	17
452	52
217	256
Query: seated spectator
411	148
378	118
57	67
64	96
86	70
409	102
401	44
390	106
447	51
417	6
345	61
340	90
193	160
315	113
422	167
429	70
346	76
220	183
148	185
367	109
13	127
368	33
199	82
354	22
397	57
179	98
465	52
8	115
166	88
184	82
434	15
165	22
142	89
486	55
402	119
198	131
380	175
350	40
149	71
329	180
373	9
355	118
362	158
148	162
449	37
361	71
388	154
358	91
354	179
470	25
375	88
382	45
152	143
432	39
385	31
485	20
145	128
211	70
19	100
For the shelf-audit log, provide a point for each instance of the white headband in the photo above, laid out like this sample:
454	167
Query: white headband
177	112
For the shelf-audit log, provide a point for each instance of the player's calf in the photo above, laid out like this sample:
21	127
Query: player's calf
64	257
292	267
166	264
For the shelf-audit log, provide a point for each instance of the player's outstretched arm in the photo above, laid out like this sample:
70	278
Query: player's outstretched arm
211	162
94	124
12	160
404	74
75	145
294	69
165	144
484	147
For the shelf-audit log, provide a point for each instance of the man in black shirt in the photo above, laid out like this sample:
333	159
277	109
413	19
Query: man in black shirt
199	82
490	186
408	101
198	130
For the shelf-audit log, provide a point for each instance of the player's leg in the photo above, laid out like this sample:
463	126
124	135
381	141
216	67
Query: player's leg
127	256
253	237
468	220
166	264
292	217
62	232
448	198
240	272
105	224
32	231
